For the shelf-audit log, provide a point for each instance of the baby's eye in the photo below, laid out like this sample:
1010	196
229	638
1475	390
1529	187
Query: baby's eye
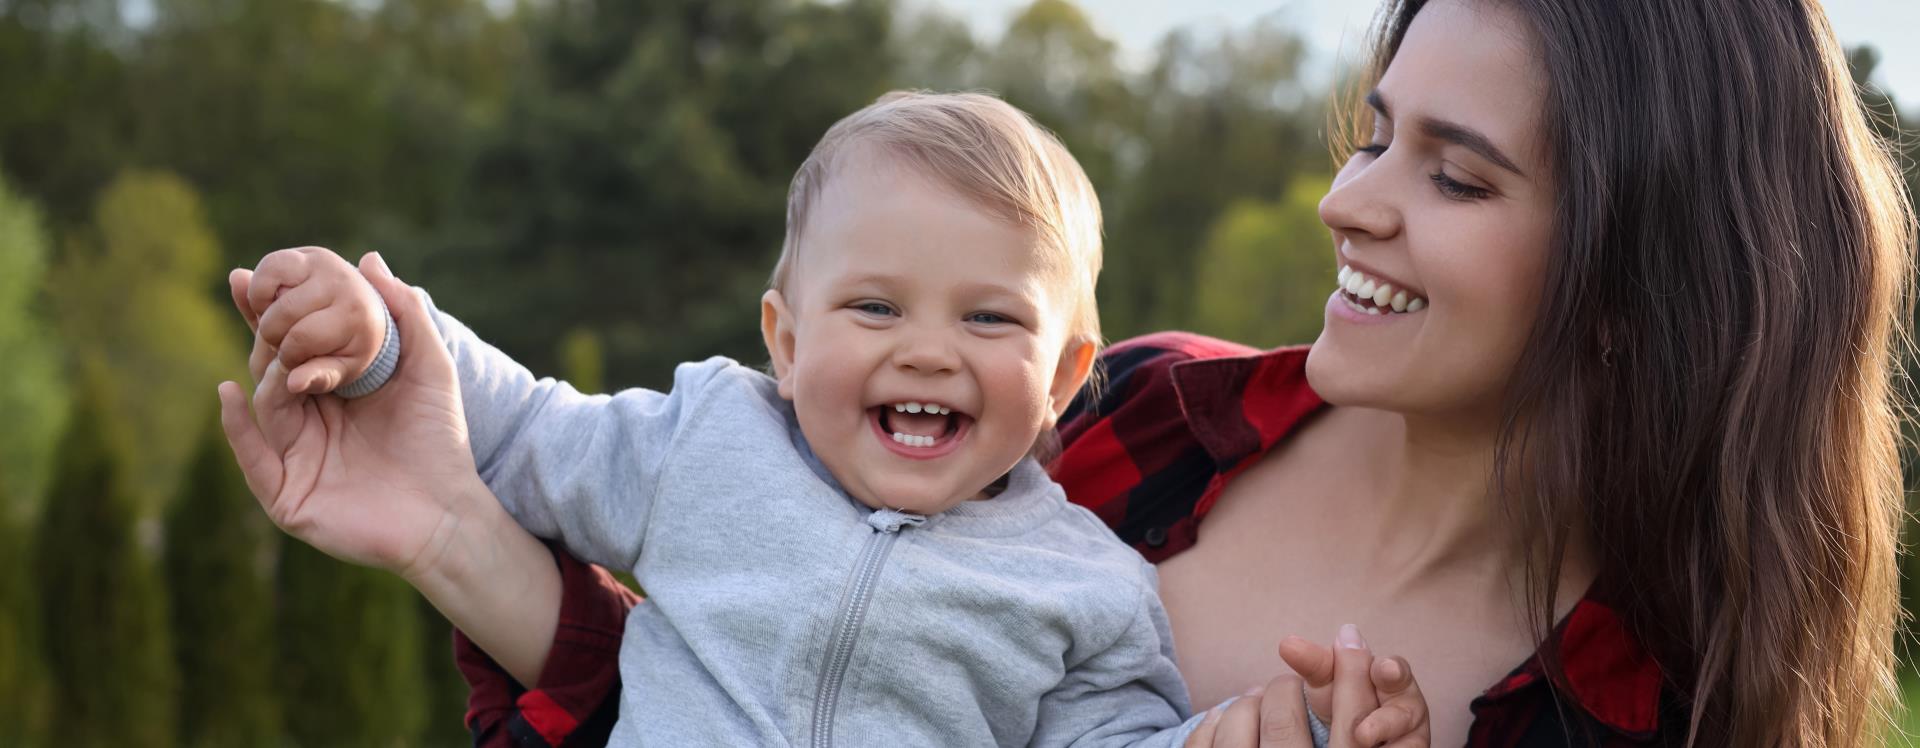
987	318
875	308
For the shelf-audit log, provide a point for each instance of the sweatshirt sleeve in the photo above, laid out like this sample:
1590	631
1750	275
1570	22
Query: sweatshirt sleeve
580	469
1127	694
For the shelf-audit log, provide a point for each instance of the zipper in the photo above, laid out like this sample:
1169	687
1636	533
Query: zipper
886	524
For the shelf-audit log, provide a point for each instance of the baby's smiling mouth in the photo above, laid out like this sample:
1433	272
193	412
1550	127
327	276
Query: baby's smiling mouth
918	424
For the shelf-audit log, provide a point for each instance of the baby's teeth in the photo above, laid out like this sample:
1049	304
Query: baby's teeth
1399	301
1382	294
913	407
899	407
945	410
1354	280
1416	305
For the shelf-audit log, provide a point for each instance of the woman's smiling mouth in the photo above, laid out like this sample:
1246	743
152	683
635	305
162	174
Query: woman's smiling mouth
1368	295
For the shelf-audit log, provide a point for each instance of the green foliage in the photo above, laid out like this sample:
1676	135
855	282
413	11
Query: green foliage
583	361
33	393
646	147
104	611
26	710
349	653
133	302
219	574
446	690
1263	275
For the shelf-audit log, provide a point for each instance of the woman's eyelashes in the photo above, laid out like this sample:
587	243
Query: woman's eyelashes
1457	190
1452	189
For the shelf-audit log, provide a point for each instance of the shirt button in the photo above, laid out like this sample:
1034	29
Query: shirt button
1156	537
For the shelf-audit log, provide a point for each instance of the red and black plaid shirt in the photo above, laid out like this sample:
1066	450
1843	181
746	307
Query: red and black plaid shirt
1179	417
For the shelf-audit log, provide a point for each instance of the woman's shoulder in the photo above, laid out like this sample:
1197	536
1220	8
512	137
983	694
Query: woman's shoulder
1175	414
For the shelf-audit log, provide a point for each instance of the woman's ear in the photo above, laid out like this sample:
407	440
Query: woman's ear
1076	364
776	328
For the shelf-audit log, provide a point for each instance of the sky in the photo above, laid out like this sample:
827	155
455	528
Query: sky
1889	25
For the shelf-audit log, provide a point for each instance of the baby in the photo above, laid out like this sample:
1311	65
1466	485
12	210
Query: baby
861	547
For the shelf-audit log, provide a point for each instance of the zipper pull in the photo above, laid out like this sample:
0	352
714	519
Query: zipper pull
891	520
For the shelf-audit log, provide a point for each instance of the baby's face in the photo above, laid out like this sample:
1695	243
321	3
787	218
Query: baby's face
920	340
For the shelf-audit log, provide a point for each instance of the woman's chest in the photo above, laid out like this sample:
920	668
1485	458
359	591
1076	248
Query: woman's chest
1270	563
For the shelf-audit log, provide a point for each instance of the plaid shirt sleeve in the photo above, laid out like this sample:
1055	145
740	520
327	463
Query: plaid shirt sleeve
578	696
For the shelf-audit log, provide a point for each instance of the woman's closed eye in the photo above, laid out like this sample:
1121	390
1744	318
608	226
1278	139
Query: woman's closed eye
1455	189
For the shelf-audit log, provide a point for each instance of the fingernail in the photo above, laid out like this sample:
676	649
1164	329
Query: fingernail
1391	669
1349	638
1256	691
380	263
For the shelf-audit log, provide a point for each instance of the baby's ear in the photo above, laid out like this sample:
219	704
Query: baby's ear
776	328
1076	364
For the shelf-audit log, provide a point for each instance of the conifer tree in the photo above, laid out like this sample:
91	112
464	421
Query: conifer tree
350	657
105	619
219	577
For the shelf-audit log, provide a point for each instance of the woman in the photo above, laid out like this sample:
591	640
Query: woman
1612	462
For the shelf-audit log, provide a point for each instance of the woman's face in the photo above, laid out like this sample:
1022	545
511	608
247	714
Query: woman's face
1450	206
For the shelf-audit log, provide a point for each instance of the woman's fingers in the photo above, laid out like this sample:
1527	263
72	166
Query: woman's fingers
1202	735
1353	690
1402	716
1314	664
1283	715
422	351
258	462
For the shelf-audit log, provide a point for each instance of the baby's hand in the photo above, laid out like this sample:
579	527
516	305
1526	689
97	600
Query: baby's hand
1394	714
314	312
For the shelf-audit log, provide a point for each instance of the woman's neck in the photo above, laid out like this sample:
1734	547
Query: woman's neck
1427	484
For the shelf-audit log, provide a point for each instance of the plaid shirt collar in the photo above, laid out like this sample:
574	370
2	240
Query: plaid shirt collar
1239	405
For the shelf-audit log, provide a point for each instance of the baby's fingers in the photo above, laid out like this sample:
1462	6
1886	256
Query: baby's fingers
238	282
324	350
1401	719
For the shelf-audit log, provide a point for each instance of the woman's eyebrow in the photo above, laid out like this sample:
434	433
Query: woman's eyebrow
1452	132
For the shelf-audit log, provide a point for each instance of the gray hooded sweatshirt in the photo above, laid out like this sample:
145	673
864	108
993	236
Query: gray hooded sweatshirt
781	612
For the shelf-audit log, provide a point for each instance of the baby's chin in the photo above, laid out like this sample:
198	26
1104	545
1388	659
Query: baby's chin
925	506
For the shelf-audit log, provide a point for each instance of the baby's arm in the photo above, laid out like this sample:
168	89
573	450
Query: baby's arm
1128	694
569	466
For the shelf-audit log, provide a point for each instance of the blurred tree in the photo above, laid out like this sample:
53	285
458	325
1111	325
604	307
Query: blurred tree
445	690
219	556
637	183
318	122
33	393
26	709
66	127
1052	63
1227	120
1266	270
133	305
583	361
104	610
349	653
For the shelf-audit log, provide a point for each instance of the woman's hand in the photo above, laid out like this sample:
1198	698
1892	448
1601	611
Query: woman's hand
378	481
1373	702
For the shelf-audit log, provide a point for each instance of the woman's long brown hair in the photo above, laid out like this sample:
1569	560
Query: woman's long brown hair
1708	397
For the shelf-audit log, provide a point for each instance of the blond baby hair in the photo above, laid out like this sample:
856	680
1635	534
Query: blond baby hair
991	154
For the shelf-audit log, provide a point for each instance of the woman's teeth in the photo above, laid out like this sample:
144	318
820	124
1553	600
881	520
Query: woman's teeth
1371	296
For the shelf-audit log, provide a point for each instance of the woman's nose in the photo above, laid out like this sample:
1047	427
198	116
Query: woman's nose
1361	205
